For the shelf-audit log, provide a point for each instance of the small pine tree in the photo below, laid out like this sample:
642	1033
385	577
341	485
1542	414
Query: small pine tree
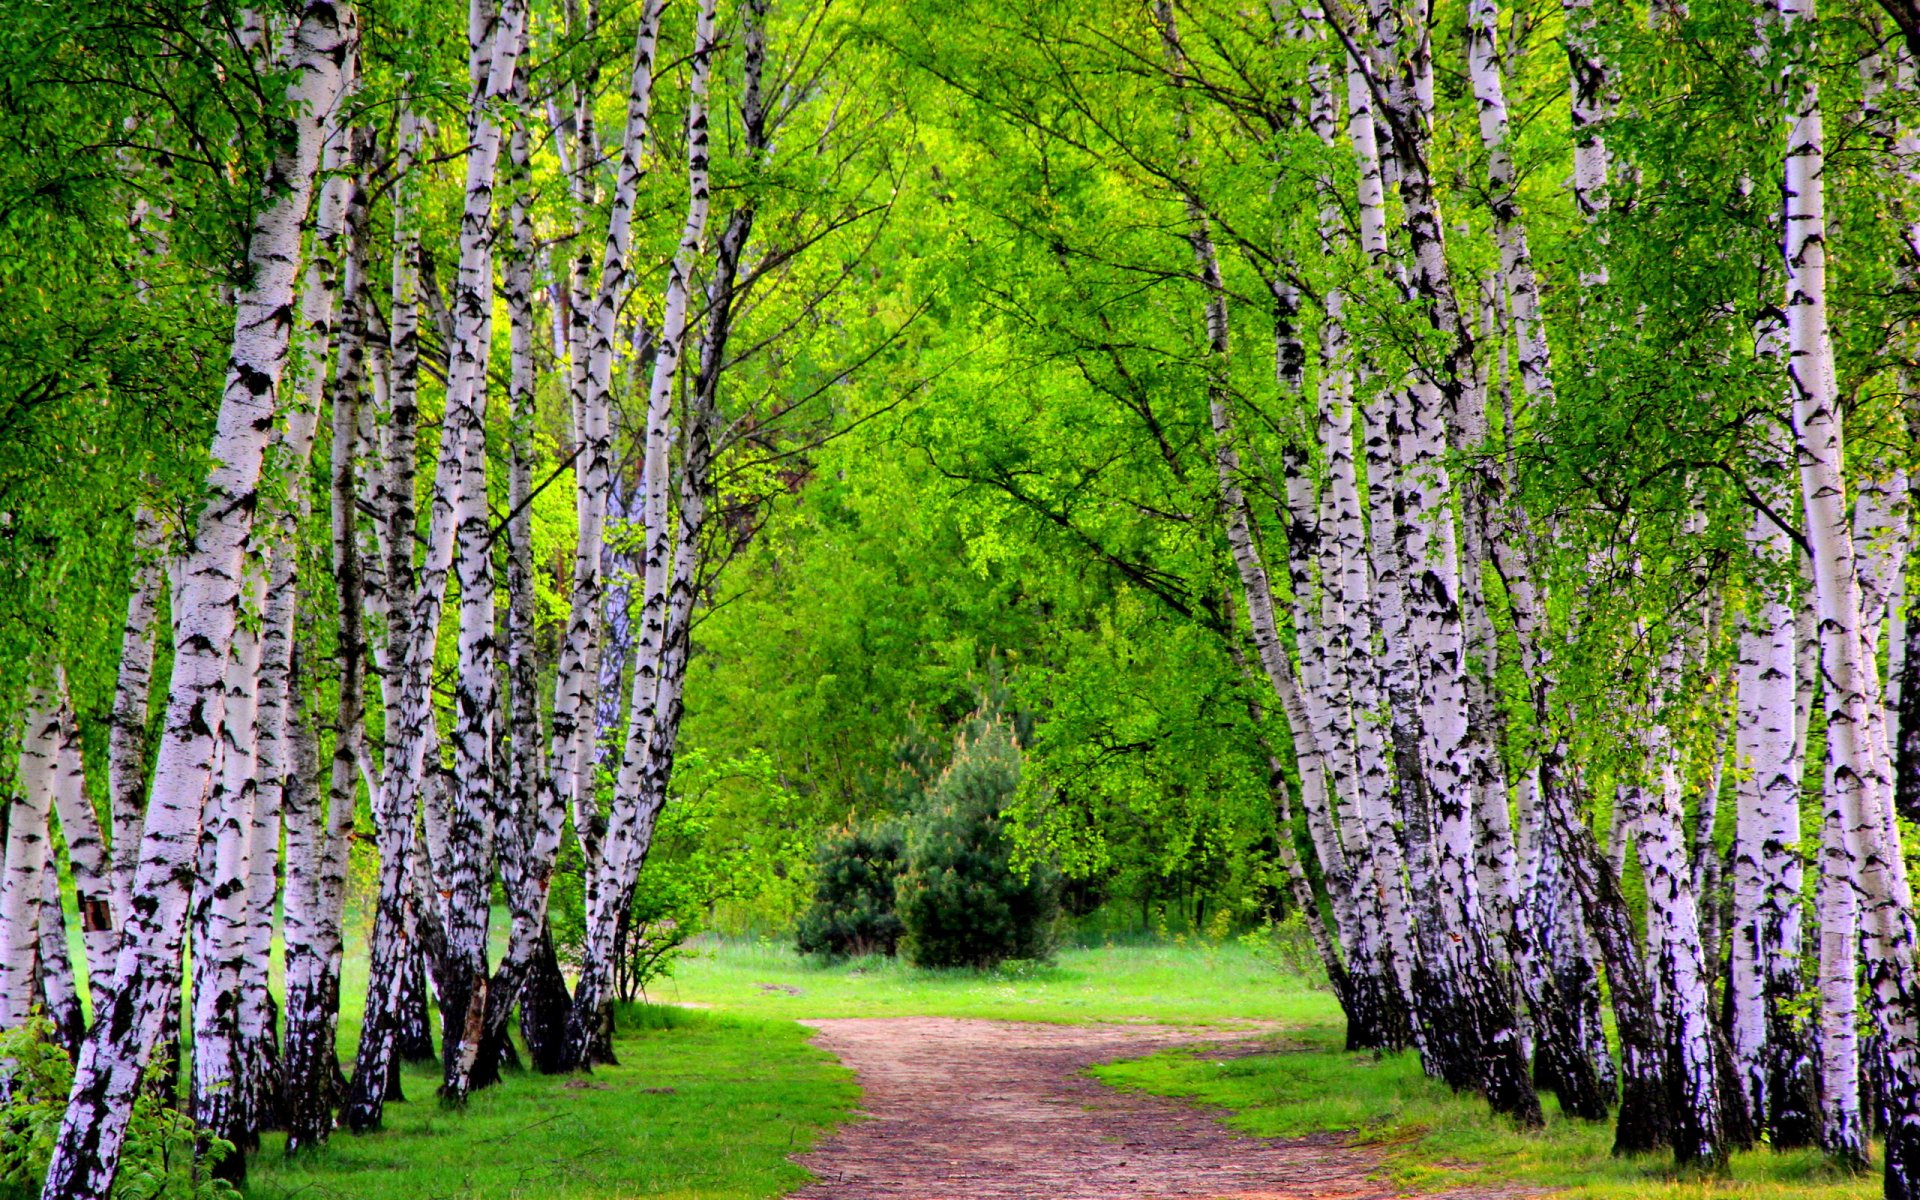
853	899
961	901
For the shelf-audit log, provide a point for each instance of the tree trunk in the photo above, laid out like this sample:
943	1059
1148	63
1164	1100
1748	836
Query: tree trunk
413	624
87	1152
643	775
1673	942
1767	1033
496	44
1860	787
127	724
28	850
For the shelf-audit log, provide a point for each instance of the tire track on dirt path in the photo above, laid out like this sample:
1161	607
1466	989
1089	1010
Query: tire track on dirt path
1000	1110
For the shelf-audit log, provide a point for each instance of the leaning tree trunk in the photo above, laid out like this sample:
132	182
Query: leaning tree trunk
514	816
531	835
57	988
127	723
1473	1028
86	1154
86	849
413	624
611	874
219	1094
1673	942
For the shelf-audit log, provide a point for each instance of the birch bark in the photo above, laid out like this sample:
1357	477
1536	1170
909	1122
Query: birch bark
495	41
86	1154
1766	1032
127	723
643	776
1859	792
28	849
219	1094
413	622
86	849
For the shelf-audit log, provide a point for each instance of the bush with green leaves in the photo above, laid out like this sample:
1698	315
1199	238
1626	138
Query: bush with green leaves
166	1157
853	896
962	901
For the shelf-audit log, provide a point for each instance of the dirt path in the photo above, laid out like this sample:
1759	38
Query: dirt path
994	1110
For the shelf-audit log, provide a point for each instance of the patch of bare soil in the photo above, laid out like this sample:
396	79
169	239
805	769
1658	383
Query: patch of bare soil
997	1110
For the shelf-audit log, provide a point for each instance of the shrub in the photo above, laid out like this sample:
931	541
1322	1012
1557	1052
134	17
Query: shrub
961	901
852	911
164	1157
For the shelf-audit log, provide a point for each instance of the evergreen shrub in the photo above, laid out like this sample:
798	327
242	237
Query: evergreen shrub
962	901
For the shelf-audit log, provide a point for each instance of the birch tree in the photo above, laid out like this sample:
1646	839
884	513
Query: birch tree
86	1154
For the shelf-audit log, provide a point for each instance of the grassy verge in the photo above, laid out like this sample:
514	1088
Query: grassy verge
704	1106
1198	984
1430	1139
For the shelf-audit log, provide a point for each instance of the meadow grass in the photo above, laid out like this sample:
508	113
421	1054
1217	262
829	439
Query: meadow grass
718	1086
703	1106
1191	984
1431	1139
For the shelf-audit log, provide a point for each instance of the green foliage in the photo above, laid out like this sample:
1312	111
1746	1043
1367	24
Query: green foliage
166	1157
729	848
962	900
853	895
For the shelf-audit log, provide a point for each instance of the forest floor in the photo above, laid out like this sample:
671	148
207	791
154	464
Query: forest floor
1112	1073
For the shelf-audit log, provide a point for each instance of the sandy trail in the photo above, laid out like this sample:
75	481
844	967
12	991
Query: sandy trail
997	1110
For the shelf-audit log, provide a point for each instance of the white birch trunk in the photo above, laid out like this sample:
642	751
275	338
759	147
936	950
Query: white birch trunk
1860	788
610	880
412	601
570	770
1843	1132
28	849
86	848
1673	941
58	988
127	724
496	43
1766	1034
87	1152
220	893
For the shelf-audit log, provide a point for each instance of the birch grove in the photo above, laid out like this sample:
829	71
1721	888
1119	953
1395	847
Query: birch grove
1481	434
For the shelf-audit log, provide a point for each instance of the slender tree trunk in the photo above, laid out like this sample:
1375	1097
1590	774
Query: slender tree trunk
219	1093
570	774
87	1152
299	1091
643	777
86	849
127	723
57	988
515	817
28	850
413	624
1860	787
1673	942
1767	1032
463	999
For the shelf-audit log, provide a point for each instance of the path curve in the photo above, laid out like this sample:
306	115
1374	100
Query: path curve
998	1110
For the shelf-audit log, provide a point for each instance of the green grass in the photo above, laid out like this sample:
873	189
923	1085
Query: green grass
747	1090
1431	1139
703	1107
1196	984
